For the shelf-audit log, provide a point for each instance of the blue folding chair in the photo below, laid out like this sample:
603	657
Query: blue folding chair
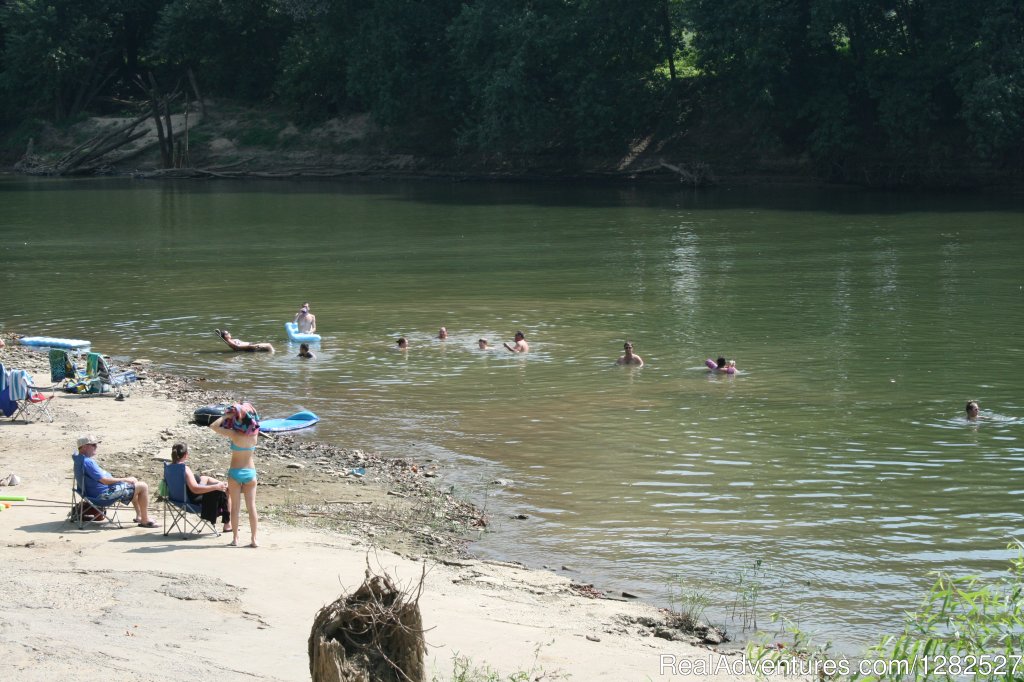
84	508
178	507
100	377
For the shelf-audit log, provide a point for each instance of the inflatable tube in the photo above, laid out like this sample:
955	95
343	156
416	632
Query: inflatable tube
711	364
12	498
54	342
299	420
295	335
208	414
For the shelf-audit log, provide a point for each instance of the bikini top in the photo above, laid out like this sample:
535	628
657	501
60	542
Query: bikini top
235	448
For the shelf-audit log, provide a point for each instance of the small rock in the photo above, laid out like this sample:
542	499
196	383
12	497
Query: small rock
504	482
519	517
593	638
671	634
295	465
715	636
628	595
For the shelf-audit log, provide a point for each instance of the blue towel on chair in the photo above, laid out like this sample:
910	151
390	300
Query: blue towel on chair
18	385
4	377
7	406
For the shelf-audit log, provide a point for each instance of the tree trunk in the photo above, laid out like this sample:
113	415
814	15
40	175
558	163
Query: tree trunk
166	150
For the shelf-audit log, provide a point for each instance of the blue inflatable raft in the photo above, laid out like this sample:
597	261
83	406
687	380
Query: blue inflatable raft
299	420
54	342
295	335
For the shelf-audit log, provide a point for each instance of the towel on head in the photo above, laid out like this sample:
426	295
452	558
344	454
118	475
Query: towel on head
242	417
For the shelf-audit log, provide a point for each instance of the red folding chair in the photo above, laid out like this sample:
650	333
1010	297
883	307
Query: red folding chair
35	405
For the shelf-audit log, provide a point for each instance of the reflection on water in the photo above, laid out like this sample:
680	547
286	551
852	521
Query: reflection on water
839	457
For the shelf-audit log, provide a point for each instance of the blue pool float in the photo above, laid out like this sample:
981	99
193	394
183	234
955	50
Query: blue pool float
54	342
295	335
299	420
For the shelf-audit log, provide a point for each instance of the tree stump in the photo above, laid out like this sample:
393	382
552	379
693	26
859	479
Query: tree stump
374	634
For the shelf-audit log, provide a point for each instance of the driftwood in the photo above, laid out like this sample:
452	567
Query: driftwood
87	156
374	634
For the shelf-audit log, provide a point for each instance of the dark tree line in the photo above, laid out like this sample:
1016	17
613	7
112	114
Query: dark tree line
844	83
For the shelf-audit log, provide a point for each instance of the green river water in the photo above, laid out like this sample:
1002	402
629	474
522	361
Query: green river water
839	457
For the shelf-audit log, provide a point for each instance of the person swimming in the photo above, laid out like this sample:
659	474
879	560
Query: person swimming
721	366
245	346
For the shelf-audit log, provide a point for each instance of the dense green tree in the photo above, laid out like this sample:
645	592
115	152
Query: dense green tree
232	47
555	75
925	86
895	79
400	65
312	75
989	78
60	55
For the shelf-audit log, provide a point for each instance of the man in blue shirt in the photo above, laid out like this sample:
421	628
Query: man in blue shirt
100	484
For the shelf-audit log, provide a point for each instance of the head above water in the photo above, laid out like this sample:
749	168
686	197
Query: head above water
442	333
520	336
972	409
628	346
720	362
179	451
303	347
402	342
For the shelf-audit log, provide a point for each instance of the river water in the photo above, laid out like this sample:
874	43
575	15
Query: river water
838	462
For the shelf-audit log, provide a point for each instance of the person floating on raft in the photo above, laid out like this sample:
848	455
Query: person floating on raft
244	346
721	365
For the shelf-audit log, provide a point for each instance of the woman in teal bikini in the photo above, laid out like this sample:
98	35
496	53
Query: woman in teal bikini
241	425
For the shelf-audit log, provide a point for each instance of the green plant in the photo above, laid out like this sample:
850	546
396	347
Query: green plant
797	653
748	591
688	603
965	627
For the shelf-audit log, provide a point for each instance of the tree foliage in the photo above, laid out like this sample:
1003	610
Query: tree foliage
844	83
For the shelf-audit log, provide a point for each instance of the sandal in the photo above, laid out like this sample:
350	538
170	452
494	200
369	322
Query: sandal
148	524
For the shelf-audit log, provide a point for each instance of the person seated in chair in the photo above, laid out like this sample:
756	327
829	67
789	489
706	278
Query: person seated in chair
239	345
206	491
101	485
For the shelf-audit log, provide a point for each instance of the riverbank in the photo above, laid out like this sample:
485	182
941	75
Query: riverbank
148	607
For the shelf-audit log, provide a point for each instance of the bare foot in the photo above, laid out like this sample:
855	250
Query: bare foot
253	544
233	543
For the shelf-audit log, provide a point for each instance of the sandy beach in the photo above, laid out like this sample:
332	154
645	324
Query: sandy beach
134	604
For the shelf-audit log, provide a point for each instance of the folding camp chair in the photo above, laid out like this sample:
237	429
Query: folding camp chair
178	506
31	403
85	509
63	368
101	378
